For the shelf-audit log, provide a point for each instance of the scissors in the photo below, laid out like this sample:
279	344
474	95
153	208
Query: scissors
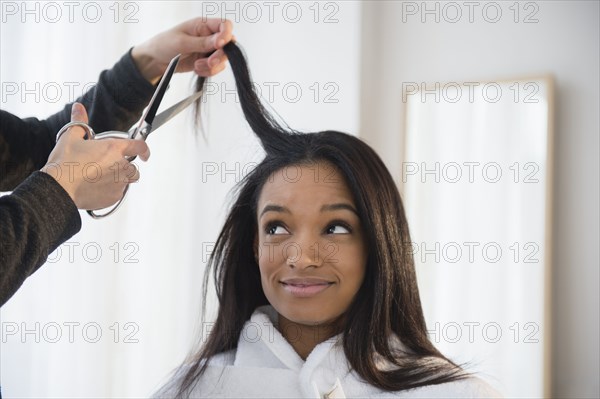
147	123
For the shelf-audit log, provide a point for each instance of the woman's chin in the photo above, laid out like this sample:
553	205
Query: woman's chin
307	315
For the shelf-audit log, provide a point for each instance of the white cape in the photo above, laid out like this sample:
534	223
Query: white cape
266	365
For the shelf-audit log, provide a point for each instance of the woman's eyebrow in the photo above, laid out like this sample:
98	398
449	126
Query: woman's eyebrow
338	206
324	208
274	208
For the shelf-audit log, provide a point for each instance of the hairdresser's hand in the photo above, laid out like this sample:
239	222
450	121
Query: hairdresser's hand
200	42
93	172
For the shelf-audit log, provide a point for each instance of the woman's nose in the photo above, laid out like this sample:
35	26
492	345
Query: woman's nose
304	252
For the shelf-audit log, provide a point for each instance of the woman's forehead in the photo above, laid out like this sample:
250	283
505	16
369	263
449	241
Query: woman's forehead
307	184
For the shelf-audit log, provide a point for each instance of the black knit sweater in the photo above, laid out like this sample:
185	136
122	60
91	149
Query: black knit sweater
39	215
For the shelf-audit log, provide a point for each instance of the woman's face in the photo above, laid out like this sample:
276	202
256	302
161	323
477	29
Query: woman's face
310	243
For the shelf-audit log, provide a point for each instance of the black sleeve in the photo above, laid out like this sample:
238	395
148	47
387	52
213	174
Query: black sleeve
34	220
39	215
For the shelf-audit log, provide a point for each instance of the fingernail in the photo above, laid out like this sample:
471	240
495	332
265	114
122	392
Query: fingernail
215	62
75	109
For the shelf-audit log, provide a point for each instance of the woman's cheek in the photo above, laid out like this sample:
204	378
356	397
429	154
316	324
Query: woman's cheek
269	262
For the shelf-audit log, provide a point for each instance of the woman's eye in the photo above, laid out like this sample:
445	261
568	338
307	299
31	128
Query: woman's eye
338	229
276	229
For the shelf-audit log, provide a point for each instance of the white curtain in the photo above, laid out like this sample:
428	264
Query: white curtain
115	309
475	179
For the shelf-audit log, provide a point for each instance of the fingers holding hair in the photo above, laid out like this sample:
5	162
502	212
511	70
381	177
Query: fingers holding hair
204	40
215	32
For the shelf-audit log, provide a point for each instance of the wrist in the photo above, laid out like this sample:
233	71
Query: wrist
54	170
145	64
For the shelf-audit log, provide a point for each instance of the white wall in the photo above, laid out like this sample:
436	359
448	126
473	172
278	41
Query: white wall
565	43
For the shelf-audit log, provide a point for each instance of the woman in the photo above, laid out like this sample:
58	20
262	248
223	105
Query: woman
317	289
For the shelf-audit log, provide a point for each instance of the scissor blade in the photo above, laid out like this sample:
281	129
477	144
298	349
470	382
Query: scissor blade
169	113
161	89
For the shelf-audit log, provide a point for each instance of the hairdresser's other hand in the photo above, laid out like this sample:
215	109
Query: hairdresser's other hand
200	42
93	172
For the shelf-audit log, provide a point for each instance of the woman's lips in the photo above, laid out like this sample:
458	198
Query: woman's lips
304	288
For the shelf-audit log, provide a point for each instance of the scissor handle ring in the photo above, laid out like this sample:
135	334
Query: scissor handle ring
89	132
112	210
90	135
111	135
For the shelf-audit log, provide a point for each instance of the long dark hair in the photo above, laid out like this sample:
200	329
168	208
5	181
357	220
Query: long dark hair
386	305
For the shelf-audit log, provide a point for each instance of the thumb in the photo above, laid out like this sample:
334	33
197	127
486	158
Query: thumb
78	114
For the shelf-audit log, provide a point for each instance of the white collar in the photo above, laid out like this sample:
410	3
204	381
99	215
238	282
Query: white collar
262	345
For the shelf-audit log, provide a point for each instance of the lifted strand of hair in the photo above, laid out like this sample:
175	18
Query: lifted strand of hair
273	136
